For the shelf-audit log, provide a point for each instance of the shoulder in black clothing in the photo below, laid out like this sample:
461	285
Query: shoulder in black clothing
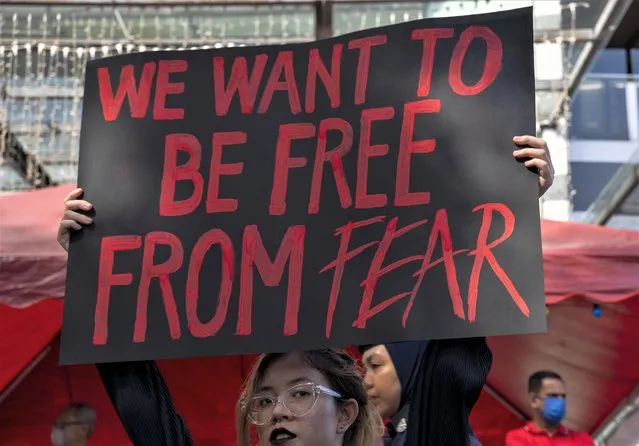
143	403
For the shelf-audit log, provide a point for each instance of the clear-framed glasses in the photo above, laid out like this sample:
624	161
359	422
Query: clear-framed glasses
65	424
299	400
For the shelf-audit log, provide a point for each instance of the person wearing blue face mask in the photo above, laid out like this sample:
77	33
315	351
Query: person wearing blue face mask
547	393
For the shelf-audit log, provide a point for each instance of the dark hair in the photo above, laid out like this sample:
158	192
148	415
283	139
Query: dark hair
536	380
340	369
363	348
83	413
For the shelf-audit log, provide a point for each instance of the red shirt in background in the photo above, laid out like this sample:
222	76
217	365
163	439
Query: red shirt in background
531	435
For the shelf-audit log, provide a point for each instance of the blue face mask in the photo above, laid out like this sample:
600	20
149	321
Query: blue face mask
554	410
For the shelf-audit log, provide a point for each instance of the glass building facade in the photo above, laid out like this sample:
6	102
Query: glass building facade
604	133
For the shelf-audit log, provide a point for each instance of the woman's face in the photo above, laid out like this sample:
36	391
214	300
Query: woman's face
324	425
382	384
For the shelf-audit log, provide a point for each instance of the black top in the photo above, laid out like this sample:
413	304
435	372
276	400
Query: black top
143	403
451	379
396	428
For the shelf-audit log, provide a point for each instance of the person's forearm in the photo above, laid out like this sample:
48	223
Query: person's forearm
468	361
143	403
453	374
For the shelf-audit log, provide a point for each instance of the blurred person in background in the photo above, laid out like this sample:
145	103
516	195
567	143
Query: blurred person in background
547	394
74	425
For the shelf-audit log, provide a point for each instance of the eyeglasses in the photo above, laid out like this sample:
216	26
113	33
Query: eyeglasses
299	400
65	424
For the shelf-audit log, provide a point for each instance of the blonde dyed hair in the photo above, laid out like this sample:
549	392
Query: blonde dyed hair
341	371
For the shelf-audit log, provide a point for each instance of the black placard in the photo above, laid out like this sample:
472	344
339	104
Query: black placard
355	190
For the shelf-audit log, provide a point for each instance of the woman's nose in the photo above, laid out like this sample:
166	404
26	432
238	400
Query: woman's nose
368	380
280	412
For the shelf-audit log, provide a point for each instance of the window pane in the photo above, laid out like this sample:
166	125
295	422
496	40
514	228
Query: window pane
599	110
611	60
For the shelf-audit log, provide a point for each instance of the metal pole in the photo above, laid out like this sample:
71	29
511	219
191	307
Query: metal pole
504	402
623	412
614	193
323	19
14	384
13	153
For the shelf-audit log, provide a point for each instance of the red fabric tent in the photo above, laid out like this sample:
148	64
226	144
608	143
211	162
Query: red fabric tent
32	264
599	357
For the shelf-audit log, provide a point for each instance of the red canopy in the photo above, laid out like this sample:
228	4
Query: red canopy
32	264
598	357
579	260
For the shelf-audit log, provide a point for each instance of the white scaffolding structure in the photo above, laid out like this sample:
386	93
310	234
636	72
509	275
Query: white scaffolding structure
44	49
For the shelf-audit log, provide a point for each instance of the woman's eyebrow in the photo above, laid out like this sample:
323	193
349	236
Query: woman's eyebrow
370	357
300	380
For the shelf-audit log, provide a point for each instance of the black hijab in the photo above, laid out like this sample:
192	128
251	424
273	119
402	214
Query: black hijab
407	358
441	382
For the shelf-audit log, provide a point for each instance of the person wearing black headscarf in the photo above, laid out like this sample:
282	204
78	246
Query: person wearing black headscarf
427	405
392	400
